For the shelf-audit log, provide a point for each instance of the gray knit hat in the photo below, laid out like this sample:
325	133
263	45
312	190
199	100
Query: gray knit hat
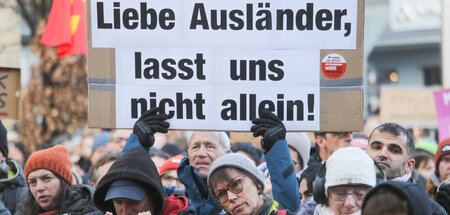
237	161
300	142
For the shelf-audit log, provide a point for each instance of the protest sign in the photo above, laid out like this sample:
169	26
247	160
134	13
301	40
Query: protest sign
442	100
410	107
213	65
9	92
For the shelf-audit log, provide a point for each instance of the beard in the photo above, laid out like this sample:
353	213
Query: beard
391	171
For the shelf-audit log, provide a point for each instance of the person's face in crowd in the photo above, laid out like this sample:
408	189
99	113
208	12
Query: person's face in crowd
295	159
118	139
44	186
159	161
170	178
391	153
239	195
124	206
444	168
333	141
101	171
426	168
303	189
204	148
346	199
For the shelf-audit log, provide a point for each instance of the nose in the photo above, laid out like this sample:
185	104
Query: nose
350	202
231	196
382	153
40	186
201	152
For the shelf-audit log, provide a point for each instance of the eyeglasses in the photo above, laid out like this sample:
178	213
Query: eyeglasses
119	139
235	186
341	193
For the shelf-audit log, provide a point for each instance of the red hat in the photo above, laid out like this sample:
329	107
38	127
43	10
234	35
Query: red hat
443	149
171	163
55	159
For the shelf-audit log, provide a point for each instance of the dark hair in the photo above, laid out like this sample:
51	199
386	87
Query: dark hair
421	156
397	130
300	159
250	149
309	175
29	206
385	201
222	174
102	161
160	154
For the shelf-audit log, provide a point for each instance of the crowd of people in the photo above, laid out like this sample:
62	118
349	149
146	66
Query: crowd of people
136	171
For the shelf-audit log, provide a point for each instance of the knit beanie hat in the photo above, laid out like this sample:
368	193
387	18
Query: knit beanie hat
443	149
3	140
171	163
55	159
101	139
349	166
300	142
237	161
427	146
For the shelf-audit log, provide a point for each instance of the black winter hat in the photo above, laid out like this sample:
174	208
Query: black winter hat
418	201
135	165
3	140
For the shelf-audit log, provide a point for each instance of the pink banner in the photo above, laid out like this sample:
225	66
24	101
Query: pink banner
442	100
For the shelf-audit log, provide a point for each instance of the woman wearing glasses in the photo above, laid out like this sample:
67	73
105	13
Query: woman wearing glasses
350	173
237	185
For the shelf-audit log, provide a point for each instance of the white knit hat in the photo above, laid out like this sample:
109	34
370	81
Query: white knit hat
300	142
350	166
237	161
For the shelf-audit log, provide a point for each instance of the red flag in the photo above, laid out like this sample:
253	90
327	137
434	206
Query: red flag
66	27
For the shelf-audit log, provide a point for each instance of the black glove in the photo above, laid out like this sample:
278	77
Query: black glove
269	127
148	124
443	197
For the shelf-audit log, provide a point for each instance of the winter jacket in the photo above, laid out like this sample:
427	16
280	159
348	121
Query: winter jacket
81	201
282	176
13	187
418	202
137	166
270	207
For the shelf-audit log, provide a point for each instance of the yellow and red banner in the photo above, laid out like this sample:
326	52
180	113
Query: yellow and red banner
66	27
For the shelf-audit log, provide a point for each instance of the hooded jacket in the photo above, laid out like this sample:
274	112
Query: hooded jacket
417	199
134	165
12	186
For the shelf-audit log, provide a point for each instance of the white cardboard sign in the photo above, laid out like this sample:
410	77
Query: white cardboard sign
220	89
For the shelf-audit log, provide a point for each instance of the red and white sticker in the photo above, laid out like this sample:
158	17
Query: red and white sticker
333	66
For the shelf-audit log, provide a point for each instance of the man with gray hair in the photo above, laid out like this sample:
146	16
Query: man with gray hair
203	148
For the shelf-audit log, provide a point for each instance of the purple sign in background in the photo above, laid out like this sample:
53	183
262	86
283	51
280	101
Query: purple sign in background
442	100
